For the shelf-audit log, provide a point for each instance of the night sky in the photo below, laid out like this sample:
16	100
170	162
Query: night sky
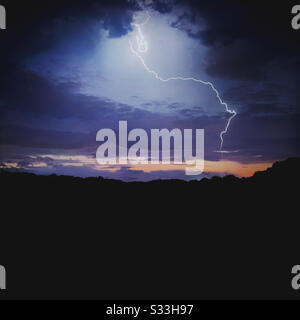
67	71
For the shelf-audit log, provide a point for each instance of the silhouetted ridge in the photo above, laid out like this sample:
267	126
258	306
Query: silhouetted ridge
280	170
67	237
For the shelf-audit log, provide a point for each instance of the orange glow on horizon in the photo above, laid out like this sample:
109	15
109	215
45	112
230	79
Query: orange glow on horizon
228	167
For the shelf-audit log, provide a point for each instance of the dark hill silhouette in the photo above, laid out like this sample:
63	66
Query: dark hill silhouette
67	237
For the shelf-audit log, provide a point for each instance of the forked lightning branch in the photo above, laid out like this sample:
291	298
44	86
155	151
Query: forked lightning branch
142	47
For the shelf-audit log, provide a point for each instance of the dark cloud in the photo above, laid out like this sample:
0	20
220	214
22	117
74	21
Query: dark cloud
43	138
40	96
35	26
266	93
273	98
271	136
267	109
243	35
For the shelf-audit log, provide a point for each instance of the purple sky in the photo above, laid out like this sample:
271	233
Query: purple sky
67	71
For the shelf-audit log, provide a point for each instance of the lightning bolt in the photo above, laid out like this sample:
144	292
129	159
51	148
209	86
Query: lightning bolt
142	47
